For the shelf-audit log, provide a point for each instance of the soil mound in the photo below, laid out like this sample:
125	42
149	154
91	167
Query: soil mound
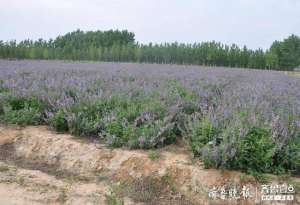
38	166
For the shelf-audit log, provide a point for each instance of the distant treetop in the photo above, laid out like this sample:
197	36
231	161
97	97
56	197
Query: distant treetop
120	46
80	40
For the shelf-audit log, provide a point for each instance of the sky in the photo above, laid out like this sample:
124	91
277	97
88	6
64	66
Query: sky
255	23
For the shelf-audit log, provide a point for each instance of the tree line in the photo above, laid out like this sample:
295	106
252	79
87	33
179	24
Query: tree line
120	46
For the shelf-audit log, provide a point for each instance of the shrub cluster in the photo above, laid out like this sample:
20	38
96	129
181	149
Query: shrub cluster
244	146
21	110
136	123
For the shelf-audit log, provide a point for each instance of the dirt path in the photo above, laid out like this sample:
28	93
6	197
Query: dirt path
38	166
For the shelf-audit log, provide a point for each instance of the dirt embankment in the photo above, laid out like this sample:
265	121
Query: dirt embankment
38	166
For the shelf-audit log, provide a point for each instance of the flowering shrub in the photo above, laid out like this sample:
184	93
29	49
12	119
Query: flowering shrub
22	111
59	122
255	151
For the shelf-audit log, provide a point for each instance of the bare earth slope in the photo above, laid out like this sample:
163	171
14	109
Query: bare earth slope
38	166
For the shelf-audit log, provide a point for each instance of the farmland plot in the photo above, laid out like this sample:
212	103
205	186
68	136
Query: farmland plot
238	119
230	118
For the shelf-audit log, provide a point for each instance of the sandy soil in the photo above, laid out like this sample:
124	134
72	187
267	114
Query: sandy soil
38	166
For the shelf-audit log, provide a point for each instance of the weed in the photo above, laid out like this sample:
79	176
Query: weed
20	180
112	199
4	168
153	155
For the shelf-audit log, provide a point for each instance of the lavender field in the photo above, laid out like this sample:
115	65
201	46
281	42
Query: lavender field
230	118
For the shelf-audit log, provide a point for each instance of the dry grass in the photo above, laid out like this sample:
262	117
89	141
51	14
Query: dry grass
150	191
293	73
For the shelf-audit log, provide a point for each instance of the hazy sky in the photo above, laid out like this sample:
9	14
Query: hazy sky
256	23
